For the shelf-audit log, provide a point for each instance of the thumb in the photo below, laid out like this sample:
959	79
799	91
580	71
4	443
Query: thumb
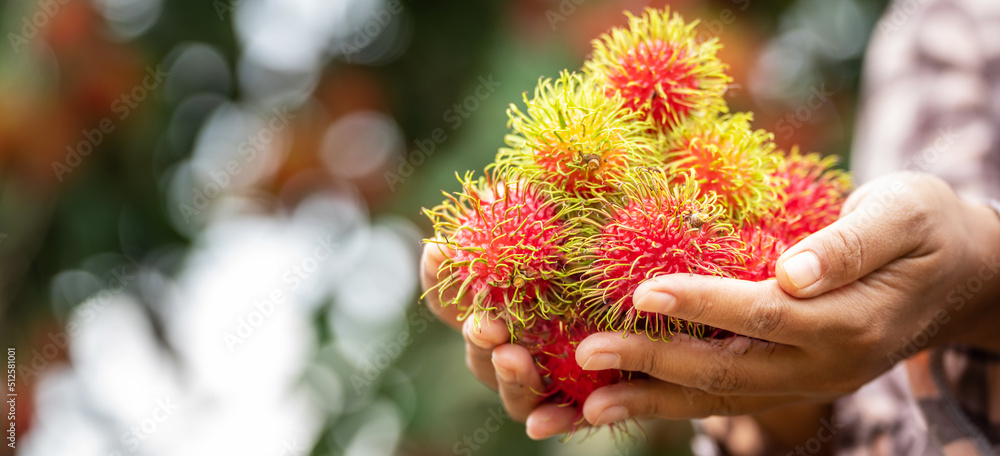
876	231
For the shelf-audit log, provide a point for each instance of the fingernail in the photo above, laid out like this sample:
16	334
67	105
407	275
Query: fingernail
802	269
656	301
601	361
530	426
474	337
610	415
506	376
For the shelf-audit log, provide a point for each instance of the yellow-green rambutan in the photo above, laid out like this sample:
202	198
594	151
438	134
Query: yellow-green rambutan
572	138
729	159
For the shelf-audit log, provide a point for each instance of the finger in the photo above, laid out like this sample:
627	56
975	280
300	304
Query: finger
519	383
549	420
733	366
855	198
753	309
433	256
883	223
654	398
482	334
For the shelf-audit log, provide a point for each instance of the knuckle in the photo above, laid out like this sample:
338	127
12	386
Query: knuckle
702	308
647	362
849	249
484	374
722	378
653	407
766	317
915	209
921	220
724	406
916	205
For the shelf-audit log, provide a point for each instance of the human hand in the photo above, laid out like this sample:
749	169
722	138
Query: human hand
908	266
500	365
489	355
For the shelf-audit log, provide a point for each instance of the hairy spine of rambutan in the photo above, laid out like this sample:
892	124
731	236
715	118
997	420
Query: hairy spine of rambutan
764	242
508	240
652	227
729	159
659	67
814	193
572	138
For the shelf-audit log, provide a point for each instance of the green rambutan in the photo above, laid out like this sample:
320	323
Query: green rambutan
508	239
653	227
574	138
658	66
727	158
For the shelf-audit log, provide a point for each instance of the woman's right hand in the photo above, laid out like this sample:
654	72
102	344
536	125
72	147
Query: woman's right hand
489	355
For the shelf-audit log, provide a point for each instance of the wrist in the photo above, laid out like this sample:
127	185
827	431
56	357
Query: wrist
976	296
776	431
794	425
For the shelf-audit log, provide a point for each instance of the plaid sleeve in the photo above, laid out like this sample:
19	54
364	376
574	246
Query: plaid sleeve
931	95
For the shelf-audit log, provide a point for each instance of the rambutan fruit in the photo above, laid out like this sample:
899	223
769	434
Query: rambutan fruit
508	239
814	193
764	242
812	196
572	137
553	344
652	227
727	158
658	66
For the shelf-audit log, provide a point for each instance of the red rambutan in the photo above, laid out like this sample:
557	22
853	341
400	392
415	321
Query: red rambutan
553	344
814	193
762	247
660	69
652	228
508	239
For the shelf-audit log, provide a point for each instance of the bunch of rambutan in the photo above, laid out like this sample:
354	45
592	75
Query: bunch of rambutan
630	169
